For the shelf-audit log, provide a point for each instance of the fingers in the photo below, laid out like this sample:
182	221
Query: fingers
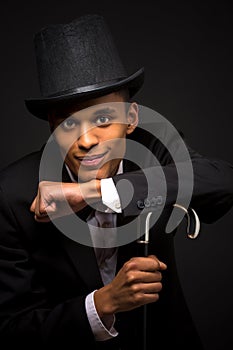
39	209
162	266
149	263
33	206
55	199
143	270
159	264
151	288
42	219
144	276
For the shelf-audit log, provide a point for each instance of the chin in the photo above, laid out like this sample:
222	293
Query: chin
91	175
95	174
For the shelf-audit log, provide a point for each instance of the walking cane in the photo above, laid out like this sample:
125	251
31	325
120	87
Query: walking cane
192	221
144	243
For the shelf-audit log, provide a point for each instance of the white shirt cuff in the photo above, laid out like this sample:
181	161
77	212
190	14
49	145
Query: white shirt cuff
99	330
110	196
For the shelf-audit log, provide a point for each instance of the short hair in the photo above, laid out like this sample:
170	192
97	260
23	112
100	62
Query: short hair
64	107
124	92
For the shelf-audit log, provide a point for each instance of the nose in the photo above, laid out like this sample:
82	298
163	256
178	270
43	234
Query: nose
87	139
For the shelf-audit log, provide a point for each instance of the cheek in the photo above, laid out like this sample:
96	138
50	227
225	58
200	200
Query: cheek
118	148
116	138
66	143
71	151
65	140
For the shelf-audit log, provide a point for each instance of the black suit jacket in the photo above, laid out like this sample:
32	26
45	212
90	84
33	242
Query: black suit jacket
45	275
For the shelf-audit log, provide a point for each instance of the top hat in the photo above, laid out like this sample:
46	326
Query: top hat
78	61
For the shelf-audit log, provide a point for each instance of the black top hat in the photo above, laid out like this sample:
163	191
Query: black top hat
78	61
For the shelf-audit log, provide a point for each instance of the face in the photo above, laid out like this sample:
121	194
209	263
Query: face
92	137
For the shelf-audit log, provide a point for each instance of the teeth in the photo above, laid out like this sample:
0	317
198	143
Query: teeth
91	158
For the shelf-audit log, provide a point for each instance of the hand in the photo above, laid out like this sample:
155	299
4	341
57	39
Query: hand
56	199
137	283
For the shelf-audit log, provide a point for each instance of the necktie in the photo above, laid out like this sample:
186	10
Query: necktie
104	236
104	219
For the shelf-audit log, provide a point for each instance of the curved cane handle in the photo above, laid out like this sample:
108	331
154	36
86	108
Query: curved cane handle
188	213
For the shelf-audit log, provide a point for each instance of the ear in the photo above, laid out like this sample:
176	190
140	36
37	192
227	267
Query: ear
132	117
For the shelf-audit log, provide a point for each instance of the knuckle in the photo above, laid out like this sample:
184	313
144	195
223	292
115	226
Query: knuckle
135	289
131	278
138	299
130	265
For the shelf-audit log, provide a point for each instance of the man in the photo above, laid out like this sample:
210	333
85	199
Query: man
66	285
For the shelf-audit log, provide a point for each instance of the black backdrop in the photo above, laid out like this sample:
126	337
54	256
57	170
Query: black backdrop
186	49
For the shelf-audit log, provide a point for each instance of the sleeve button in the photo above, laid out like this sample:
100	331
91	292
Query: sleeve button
117	205
140	204
147	203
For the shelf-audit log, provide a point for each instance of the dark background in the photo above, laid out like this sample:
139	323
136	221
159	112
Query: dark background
186	49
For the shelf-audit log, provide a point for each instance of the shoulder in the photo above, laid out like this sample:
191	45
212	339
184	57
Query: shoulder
155	139
21	167
21	176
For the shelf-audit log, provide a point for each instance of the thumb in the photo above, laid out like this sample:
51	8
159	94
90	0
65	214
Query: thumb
162	266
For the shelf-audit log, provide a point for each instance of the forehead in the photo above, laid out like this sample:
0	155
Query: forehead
110	103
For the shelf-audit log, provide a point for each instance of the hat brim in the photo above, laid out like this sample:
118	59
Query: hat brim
40	107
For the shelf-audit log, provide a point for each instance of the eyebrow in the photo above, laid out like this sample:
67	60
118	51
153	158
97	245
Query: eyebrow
106	110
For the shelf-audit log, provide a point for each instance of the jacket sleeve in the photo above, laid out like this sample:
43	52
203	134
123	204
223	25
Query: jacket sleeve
213	187
28	316
209	185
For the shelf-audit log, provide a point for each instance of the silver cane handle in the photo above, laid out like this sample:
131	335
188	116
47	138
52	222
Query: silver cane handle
191	216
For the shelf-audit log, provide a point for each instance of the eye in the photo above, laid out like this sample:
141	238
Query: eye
69	124
102	120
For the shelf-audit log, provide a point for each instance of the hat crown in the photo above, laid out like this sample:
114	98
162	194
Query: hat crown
75	55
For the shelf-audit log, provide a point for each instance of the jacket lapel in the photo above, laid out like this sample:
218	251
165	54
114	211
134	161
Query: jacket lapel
126	251
83	257
84	261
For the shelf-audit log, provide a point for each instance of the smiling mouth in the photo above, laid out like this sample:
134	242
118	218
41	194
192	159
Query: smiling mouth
91	161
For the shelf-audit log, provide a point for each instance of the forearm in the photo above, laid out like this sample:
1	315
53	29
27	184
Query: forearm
57	199
210	190
40	324
213	188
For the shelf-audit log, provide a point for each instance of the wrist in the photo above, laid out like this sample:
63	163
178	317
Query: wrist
91	191
103	302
